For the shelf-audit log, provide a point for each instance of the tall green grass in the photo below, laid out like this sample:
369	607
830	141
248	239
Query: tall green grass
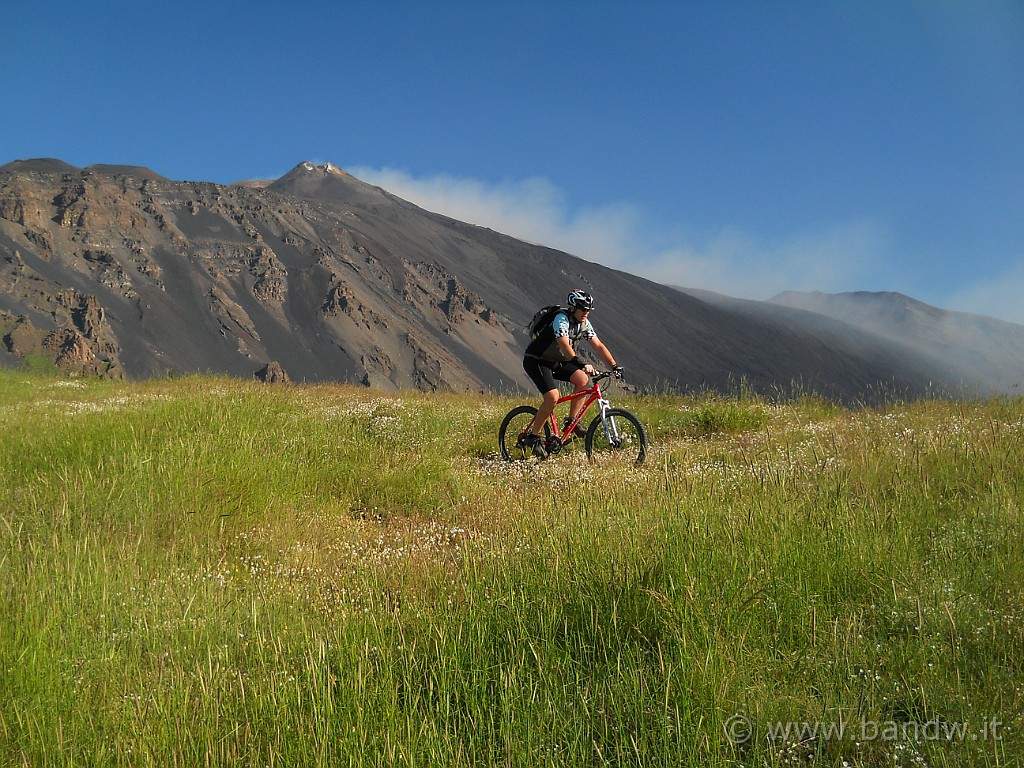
211	572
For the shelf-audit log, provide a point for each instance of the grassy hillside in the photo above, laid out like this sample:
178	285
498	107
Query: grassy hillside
212	572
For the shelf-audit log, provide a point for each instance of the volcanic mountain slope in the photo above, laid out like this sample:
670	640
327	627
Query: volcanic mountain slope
117	270
992	349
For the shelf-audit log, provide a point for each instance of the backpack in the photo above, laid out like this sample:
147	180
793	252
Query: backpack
543	317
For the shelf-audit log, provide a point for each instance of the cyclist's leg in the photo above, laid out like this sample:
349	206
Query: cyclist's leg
575	375
547	407
540	372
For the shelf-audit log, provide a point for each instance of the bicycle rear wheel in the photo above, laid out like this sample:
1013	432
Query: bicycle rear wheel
514	427
623	442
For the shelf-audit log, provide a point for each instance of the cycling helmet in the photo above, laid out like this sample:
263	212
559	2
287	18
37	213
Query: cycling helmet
580	300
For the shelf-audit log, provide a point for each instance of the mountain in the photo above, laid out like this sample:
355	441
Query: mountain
993	350
118	271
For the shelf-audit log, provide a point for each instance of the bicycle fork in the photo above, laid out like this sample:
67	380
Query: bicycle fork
611	429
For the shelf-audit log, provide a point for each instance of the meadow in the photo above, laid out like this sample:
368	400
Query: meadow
210	572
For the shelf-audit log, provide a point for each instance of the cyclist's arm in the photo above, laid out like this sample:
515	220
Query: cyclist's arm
565	347
568	353
603	351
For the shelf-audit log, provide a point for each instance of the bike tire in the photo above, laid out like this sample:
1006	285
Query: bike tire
512	429
629	448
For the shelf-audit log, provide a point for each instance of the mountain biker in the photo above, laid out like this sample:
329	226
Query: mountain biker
552	355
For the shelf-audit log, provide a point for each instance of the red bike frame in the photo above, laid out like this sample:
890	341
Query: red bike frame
592	393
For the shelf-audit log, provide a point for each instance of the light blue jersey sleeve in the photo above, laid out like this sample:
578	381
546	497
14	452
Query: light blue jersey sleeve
561	325
563	328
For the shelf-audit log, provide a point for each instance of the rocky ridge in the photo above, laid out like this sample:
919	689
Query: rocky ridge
317	276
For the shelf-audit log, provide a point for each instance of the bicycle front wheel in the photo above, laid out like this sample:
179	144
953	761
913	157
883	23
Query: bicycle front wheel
514	427
624	441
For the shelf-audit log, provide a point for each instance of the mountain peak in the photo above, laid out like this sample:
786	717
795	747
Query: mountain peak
858	301
327	182
39	165
137	171
324	169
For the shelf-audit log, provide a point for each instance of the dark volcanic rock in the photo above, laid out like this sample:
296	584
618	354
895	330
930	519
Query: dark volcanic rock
273	373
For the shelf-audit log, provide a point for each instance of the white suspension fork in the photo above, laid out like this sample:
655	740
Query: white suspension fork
611	430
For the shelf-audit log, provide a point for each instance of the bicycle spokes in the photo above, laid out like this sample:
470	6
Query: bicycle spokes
617	437
515	431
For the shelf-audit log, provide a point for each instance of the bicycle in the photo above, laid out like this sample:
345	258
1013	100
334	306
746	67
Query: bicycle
615	434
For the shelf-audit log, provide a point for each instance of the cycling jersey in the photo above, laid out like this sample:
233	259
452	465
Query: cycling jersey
563	325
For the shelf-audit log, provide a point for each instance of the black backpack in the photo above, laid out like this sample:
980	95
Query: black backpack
544	316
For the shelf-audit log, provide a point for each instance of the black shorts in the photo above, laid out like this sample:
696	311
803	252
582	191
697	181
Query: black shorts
544	372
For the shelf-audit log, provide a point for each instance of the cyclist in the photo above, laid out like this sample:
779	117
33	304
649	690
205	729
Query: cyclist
552	355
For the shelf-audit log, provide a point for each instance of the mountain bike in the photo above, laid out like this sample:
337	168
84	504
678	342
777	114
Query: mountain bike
615	434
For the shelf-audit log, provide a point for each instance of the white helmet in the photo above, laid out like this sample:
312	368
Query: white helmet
580	300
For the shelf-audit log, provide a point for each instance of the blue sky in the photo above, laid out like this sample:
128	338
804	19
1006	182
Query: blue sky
741	147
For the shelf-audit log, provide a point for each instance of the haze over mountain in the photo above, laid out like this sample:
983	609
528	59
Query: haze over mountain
119	271
992	349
